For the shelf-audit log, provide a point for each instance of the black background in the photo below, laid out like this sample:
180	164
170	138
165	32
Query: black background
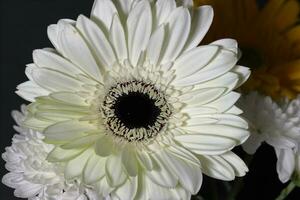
23	28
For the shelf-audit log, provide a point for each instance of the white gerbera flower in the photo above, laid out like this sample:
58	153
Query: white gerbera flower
276	124
31	175
131	103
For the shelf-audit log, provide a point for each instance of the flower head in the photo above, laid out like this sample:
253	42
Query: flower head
31	175
269	40
276	124
131	103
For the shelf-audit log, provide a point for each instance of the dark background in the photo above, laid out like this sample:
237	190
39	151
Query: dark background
23	28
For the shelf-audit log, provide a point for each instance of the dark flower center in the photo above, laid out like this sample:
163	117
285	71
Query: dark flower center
136	110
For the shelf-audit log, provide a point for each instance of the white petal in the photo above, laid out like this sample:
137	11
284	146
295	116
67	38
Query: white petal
184	154
129	161
178	26
58	154
103	10
54	30
201	21
199	97
194	60
190	176
161	174
145	160
229	44
114	171
74	168
67	130
128	190
81	142
225	102
30	90
281	142
94	169
224	61
236	163
239	135
51	60
139	26
103	188
216	167
163	9
243	73
76	50
104	146
206	144
97	40
69	98
117	38
285	163
54	81
155	45
27	190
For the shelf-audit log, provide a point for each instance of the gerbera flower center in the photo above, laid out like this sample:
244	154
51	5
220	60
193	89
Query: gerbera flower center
251	57
135	110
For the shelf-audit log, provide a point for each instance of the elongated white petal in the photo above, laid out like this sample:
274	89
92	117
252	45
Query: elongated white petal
47	59
54	81
163	9
155	45
161	174
104	146
69	98
94	169
81	142
30	90
67	130
224	61
145	160
285	163
201	21
74	167
128	190
117	38
103	10
97	40
216	167
129	161
206	144
236	163
194	60
190	176
58	154
75	49
178	25
114	172
139	24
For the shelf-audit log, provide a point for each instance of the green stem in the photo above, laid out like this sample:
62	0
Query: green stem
286	191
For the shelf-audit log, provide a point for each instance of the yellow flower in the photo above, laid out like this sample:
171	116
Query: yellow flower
269	38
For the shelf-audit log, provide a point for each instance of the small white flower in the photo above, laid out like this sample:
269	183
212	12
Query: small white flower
131	103
276	124
31	175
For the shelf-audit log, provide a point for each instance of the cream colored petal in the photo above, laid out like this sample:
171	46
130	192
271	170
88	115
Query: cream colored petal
155	45
201	21
117	38
94	169
115	174
97	40
75	49
104	146
130	161
74	168
67	130
59	155
127	191
103	11
163	8
139	26
236	163
178	26
194	60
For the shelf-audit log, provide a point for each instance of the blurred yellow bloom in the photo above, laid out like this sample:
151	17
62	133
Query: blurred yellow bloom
269	38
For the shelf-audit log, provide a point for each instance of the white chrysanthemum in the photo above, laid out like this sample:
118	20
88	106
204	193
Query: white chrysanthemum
133	105
31	175
276	124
